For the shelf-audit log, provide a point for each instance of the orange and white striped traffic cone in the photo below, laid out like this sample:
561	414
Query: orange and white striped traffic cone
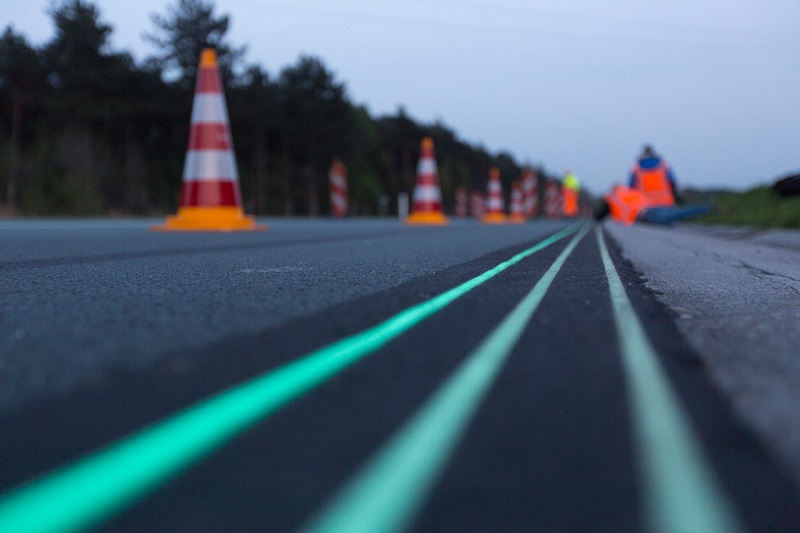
495	205
517	214
530	192
210	197
337	180
426	208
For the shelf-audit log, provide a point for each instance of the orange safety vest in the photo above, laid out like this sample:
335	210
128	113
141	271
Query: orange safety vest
654	182
625	203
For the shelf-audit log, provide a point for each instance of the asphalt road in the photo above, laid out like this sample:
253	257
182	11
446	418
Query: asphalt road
331	375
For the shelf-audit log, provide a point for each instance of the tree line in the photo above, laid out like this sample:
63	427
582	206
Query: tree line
88	130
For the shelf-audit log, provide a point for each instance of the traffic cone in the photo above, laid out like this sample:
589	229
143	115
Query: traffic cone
495	205
530	193
210	197
517	214
427	205
337	177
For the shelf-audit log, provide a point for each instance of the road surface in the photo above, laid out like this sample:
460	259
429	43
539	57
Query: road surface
363	375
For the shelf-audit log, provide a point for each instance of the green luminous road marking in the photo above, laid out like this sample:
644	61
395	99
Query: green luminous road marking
93	489
680	492
386	492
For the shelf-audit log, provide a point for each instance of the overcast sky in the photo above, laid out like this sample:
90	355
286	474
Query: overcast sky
568	84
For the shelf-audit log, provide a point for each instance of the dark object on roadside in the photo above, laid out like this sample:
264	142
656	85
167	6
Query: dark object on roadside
662	215
601	210
788	186
671	214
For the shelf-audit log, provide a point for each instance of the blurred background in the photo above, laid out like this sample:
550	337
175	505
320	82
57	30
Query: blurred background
95	97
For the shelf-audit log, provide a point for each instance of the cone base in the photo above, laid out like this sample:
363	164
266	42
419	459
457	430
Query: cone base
516	219
427	219
210	219
494	218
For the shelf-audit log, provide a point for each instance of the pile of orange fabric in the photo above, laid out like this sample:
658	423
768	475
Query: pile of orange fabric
651	187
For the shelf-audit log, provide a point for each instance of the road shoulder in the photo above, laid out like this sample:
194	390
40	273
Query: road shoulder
736	298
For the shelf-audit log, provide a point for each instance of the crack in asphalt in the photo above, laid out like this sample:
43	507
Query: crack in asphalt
761	273
747	235
793	283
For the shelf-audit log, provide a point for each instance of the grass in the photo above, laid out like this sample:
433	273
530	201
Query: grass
760	207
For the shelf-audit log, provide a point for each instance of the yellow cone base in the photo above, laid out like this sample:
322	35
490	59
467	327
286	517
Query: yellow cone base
427	219
516	219
210	219
494	218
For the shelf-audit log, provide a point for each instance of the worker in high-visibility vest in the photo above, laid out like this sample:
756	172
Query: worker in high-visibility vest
570	190
653	176
652	184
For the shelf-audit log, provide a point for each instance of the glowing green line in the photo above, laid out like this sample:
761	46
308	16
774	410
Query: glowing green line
94	488
389	489
680	492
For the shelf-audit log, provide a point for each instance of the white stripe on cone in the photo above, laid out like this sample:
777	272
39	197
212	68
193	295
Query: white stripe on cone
209	108
494	204
426	167
427	193
209	165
